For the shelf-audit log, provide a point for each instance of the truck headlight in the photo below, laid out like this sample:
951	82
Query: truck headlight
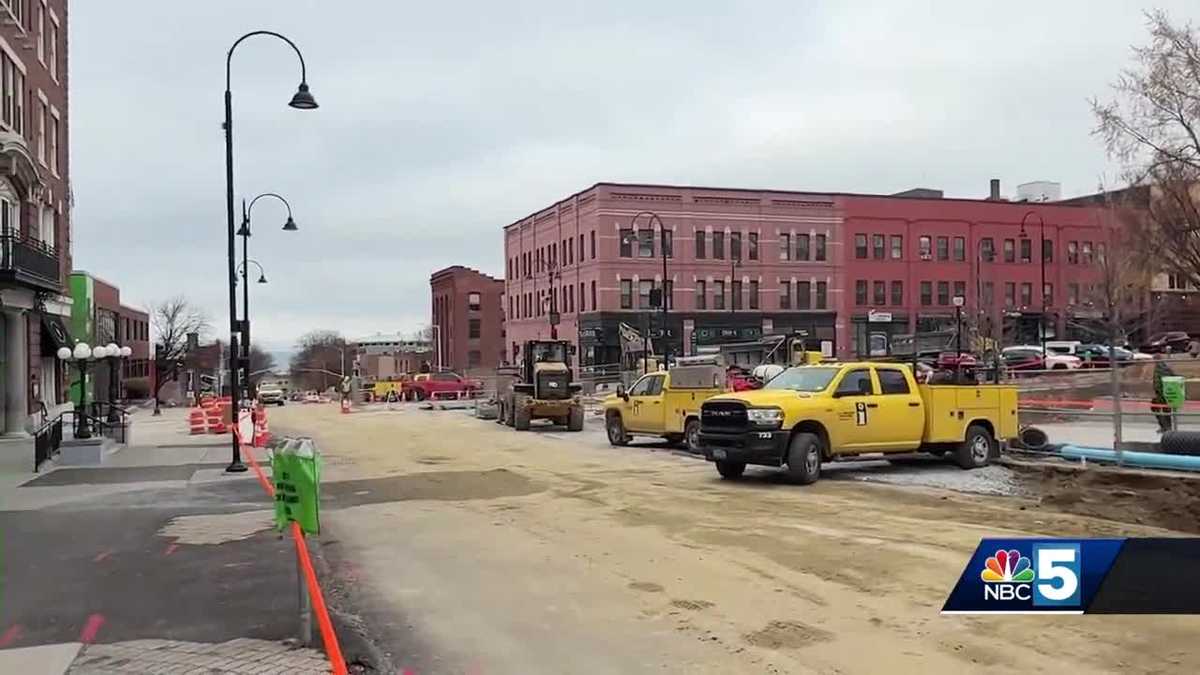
765	417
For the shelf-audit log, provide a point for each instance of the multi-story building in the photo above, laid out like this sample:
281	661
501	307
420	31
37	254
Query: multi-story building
741	264
386	355
468	319
98	317
35	206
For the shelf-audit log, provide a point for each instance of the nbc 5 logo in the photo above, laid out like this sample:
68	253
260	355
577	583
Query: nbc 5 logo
1050	578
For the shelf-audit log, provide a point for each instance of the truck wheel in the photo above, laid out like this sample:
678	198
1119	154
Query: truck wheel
616	430
804	458
575	419
691	435
521	418
976	448
730	470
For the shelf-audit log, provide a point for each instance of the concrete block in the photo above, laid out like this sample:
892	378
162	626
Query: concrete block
77	452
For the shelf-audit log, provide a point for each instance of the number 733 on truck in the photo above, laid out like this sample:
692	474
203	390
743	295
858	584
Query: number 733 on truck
813	414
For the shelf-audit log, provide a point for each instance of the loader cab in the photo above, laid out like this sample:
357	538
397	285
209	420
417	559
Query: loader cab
546	371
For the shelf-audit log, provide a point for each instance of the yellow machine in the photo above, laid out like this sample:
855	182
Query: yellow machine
663	404
818	413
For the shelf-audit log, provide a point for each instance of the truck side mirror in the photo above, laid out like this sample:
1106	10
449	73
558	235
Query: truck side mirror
621	392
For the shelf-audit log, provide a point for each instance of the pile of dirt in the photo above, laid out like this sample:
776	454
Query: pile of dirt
1123	495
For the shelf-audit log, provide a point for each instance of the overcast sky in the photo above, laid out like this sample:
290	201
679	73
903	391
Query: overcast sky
442	122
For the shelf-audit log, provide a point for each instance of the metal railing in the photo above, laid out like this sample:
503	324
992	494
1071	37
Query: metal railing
46	441
109	420
28	257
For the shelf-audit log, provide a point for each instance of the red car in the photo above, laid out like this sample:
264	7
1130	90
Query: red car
441	385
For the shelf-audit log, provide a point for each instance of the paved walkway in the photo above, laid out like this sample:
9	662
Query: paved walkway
156	562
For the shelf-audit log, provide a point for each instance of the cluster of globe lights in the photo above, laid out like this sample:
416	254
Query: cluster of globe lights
84	352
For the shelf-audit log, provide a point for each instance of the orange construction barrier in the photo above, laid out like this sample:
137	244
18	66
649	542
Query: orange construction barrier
196	422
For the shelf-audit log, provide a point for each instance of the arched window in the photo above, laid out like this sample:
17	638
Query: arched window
9	209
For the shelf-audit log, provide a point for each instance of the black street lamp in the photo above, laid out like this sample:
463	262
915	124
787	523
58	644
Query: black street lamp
664	299
114	354
302	100
1042	258
244	232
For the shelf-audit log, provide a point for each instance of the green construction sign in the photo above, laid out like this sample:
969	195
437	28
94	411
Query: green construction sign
1174	391
295	469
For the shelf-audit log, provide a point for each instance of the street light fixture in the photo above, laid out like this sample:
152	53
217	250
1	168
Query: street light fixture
302	100
114	354
1042	258
244	232
81	355
262	275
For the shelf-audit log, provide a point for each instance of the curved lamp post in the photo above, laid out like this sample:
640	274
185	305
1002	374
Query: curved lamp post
302	100
664	301
81	356
1042	258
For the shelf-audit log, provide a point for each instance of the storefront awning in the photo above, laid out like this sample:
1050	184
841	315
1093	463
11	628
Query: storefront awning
55	332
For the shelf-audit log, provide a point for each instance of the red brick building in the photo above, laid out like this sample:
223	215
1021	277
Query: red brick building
468	319
35	196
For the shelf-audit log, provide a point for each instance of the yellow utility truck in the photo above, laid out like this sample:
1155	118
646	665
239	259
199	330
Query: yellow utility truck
665	404
812	414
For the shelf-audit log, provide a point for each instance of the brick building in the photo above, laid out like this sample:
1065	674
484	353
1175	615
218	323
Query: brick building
468	319
98	317
746	263
35	203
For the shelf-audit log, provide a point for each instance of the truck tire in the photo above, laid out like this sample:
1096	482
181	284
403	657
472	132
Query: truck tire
521	418
804	458
976	449
616	430
730	470
691	435
575	419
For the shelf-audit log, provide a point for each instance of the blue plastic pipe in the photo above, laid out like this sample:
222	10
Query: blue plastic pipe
1152	460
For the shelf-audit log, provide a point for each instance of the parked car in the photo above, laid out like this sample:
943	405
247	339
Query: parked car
1175	341
1051	361
1096	356
271	396
441	385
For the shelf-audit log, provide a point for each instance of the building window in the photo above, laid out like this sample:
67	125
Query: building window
860	246
1087	253
897	293
626	294
668	243
753	294
473	301
1010	250
54	49
473	329
753	242
802	241
474	358
943	292
785	246
644	288
701	294
960	249
626	243
926	293
735	245
860	292
40	25
1073	252
1010	294
510	308
571	298
41	133
571	251
803	294
1073	294
669	293
580	249
1048	295
1047	250
878	245
925	247
960	290
700	254
987	249
47	227
1026	250
943	248
820	247
735	295
989	294
718	295
785	295
594	305
897	247
880	293
1026	294
1101	253
718	245
645	240
822	295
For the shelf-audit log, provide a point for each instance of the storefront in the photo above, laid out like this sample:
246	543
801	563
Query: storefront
871	333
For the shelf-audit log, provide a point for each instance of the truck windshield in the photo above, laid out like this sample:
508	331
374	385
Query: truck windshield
804	378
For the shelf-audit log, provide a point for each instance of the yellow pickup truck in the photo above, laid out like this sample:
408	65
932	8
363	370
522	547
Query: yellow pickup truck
663	404
818	413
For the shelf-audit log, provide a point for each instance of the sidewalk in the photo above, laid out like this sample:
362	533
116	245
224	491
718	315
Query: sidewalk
157	561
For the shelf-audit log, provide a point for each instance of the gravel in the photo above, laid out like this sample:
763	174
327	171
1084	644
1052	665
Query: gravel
932	472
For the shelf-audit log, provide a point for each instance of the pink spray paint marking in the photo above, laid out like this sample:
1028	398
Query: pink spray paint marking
102	556
10	636
170	549
90	628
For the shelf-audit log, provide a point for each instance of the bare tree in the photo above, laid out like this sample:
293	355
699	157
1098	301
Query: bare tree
261	363
1153	128
321	360
173	321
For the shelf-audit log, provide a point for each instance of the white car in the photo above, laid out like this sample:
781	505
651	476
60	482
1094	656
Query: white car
1053	361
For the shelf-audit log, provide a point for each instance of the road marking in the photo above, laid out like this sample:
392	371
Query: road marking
102	556
10	636
170	549
90	628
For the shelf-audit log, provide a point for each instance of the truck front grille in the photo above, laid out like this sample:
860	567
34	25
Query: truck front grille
723	416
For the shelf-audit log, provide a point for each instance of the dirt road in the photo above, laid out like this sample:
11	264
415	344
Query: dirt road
492	551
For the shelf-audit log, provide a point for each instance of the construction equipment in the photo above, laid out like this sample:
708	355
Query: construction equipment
544	388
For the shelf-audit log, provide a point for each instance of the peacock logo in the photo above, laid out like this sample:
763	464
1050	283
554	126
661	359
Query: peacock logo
1007	567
